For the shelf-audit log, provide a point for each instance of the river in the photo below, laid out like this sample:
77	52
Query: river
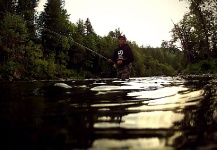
97	114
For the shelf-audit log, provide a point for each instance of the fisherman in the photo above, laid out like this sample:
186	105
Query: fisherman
122	58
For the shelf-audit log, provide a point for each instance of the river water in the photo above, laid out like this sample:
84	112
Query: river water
142	113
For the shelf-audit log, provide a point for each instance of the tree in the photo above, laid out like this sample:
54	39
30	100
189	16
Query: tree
116	33
182	32
199	26
12	38
7	6
81	27
26	8
55	30
195	7
88	27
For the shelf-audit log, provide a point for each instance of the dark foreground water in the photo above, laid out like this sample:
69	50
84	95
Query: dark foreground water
143	113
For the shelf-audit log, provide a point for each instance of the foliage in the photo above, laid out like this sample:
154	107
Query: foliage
47	45
162	61
202	67
13	36
26	9
7	6
197	31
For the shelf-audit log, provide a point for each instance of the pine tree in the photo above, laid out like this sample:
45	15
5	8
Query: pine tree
80	27
56	28
88	27
7	6
26	8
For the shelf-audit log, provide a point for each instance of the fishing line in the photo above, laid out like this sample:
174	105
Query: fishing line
75	43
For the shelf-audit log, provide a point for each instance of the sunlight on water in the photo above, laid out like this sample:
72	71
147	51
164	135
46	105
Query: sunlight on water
154	119
163	107
151	120
134	144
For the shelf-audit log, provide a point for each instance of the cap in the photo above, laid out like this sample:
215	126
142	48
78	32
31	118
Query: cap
121	36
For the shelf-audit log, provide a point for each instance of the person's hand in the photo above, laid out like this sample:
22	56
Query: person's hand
110	61
119	62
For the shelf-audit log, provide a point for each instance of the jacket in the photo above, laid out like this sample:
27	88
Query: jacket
123	53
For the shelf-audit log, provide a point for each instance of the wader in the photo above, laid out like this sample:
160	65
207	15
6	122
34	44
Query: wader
123	73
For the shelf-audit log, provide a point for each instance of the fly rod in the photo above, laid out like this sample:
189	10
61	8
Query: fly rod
77	44
91	50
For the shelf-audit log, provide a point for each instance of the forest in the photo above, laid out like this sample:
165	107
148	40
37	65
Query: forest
46	45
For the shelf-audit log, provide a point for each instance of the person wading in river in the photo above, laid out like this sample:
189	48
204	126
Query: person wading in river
123	58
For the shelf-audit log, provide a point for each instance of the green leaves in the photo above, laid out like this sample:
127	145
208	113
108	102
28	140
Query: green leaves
13	36
198	30
49	46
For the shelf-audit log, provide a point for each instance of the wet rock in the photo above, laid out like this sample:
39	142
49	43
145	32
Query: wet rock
63	85
54	91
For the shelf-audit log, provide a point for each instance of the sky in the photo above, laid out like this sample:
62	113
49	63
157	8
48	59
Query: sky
147	22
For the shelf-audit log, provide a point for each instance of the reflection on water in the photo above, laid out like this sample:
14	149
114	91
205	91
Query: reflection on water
140	143
143	113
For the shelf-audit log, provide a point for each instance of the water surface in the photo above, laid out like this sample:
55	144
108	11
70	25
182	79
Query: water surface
143	113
